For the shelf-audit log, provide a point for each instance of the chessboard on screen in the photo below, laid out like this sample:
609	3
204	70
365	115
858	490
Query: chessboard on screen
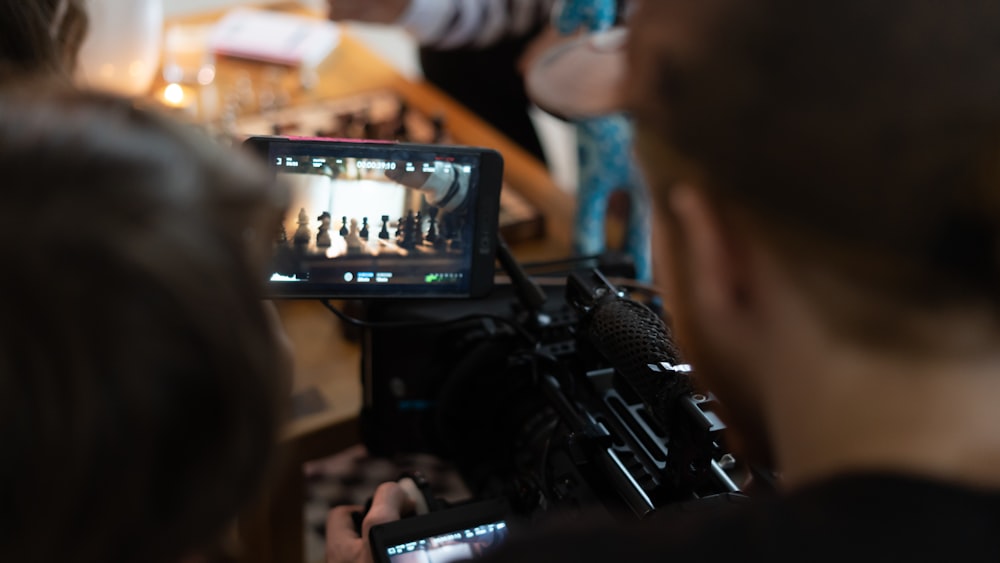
383	219
385	115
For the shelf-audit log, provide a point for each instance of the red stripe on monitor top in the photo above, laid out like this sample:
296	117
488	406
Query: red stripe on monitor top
366	141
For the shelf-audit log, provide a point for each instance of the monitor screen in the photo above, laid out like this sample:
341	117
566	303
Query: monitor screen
458	545
384	220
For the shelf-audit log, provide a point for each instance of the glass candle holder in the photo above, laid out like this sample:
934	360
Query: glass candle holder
187	58
122	51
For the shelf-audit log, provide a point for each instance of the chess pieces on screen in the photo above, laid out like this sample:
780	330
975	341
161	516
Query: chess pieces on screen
364	229
432	226
354	243
384	233
302	235
408	238
323	239
425	231
385	115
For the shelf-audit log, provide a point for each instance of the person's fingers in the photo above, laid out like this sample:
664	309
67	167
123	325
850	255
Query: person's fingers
539	46
343	544
415	179
340	522
389	504
396	171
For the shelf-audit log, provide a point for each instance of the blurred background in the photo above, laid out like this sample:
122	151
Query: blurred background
398	48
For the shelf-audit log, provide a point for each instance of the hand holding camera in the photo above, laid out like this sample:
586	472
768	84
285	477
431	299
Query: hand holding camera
346	543
403	519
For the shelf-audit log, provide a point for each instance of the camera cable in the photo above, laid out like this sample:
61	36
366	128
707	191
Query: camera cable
495	319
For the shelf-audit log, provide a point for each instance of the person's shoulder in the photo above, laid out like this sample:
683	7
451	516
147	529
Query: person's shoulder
879	515
689	532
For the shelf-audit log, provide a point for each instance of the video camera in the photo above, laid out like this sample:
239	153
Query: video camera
575	401
561	396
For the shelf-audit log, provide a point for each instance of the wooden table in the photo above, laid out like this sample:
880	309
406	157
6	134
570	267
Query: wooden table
327	365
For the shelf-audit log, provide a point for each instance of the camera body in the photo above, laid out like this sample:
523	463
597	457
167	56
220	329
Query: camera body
566	397
532	406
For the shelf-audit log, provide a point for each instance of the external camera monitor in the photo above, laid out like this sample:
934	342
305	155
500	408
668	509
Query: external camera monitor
455	534
375	219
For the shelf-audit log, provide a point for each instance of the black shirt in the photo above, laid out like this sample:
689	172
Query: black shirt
884	518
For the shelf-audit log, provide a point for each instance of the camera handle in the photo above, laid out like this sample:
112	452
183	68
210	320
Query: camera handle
529	293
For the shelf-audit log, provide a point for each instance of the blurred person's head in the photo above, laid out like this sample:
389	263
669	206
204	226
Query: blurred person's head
140	377
41	35
826	171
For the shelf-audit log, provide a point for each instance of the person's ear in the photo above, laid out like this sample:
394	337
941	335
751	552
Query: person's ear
715	262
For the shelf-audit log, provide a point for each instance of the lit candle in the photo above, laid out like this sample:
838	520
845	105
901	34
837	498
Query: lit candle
179	100
174	96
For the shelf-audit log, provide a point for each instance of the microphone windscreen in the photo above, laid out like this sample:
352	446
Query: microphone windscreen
637	343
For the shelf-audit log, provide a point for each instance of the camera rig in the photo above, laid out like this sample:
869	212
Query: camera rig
555	397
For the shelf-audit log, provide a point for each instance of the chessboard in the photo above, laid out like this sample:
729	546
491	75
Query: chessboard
384	115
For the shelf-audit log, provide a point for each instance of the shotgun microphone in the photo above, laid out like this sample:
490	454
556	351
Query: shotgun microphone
632	339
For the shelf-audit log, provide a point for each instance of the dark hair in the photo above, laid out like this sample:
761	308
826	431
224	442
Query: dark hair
863	137
42	35
140	378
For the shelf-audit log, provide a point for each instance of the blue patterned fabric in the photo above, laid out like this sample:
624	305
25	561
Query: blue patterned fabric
607	164
591	15
607	161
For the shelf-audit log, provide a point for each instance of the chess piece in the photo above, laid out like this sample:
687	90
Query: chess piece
418	229
343	226
384	233
302	234
399	230
382	130
409	228
450	229
438	122
354	243
368	128
346	124
323	239
364	228
456	241
402	133
432	234
336	126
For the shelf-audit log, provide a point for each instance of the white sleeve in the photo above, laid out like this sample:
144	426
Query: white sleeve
452	24
495	24
467	26
427	20
446	187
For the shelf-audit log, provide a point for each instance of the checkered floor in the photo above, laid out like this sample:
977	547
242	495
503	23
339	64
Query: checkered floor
352	476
